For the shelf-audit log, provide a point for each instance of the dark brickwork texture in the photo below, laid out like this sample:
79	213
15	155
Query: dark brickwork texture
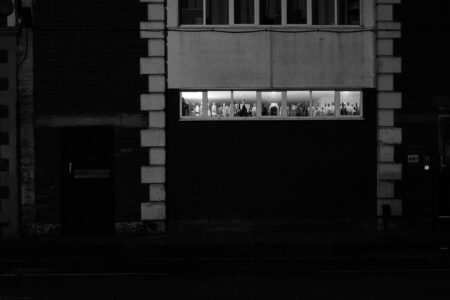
87	56
86	63
271	169
424	78
128	191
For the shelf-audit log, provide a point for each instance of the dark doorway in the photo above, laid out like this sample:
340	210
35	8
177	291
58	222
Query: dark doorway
88	207
444	174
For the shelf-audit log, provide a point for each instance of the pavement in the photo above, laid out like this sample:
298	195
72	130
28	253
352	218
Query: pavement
307	250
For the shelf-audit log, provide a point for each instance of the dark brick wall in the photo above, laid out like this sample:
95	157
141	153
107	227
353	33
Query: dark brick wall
425	85
86	63
86	56
48	175
271	169
127	189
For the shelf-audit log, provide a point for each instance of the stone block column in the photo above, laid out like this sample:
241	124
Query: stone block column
153	211
389	100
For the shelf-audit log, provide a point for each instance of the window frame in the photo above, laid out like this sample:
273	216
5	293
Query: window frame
284	117
309	23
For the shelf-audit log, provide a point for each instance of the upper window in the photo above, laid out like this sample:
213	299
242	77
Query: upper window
269	12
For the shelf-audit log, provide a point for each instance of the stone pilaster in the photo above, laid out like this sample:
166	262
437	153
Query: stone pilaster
153	102
389	171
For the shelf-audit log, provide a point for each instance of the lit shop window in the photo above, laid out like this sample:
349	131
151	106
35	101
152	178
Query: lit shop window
219	104
271	104
192	104
276	105
269	12
298	103
244	104
350	103
323	104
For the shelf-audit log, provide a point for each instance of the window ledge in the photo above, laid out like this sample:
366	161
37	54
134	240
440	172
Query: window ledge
341	118
262	27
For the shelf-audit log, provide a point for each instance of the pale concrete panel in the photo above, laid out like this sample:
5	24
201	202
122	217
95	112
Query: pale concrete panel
389	26
389	171
153	138
395	204
157	83
153	101
386	153
386	189
157	119
323	60
385	47
390	135
152	65
386	117
156	47
389	64
172	13
153	174
157	156
390	100
152	34
153	211
385	12
385	82
157	192
383	34
156	12
157	25
218	60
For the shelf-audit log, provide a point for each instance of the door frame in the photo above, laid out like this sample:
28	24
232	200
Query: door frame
66	177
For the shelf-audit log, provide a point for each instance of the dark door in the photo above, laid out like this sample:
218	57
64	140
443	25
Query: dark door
88	208
444	175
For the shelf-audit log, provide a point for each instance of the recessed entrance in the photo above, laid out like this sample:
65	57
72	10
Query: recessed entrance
88	206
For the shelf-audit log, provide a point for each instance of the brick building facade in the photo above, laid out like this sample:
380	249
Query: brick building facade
162	164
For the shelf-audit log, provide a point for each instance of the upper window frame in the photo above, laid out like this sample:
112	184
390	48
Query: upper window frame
309	21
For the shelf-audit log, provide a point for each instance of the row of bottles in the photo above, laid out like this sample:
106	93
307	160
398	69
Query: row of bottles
272	109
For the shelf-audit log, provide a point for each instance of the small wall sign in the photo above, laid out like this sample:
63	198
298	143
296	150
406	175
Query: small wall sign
413	158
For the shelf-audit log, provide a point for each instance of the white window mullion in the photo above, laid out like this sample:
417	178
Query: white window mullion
204	12
335	12
205	104
283	12
309	12
258	104
283	104
256	12
231	12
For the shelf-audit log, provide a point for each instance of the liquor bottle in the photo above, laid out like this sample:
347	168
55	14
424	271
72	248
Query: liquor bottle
214	110
197	110
227	110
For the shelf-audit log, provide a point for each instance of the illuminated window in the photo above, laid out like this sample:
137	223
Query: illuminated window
253	105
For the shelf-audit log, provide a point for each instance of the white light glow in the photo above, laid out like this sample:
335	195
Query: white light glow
219	95
192	96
